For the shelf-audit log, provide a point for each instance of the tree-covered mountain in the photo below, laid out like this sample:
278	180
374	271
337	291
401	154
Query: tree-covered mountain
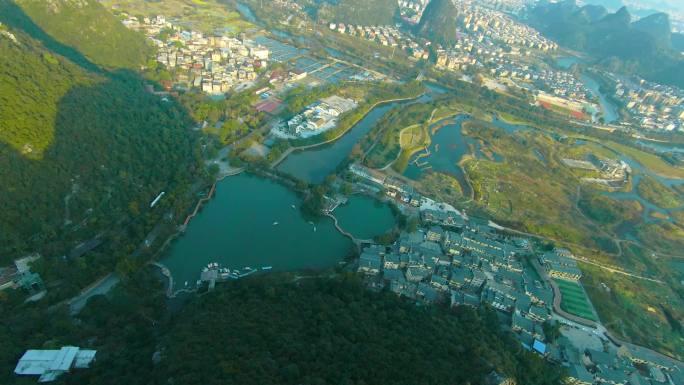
315	331
643	47
82	151
86	26
358	12
658	27
438	22
678	41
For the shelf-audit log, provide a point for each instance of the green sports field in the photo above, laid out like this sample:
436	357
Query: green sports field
574	301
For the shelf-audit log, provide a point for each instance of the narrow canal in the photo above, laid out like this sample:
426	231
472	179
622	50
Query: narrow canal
609	110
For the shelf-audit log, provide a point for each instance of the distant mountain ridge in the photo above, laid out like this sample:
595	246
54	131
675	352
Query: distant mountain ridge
644	46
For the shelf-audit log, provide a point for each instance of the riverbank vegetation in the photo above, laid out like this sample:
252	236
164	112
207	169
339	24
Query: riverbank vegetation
228	119
659	194
328	331
367	95
605	210
383	141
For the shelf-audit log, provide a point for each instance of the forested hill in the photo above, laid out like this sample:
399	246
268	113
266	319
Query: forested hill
316	331
82	153
438	22
359	12
84	25
643	47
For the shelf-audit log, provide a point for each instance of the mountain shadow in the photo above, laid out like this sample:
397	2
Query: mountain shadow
114	148
15	17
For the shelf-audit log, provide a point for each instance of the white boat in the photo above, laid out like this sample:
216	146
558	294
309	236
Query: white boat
314	229
267	268
293	206
275	223
186	283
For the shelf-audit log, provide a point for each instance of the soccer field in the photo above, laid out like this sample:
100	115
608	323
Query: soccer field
574	301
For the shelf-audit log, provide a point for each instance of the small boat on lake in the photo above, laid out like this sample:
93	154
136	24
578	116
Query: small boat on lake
267	268
275	223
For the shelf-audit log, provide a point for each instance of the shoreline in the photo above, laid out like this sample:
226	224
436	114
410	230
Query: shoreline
290	150
170	292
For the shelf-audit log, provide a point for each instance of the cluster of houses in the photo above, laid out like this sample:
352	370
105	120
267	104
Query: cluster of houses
462	264
458	261
212	64
317	118
412	10
508	6
481	21
652	106
387	36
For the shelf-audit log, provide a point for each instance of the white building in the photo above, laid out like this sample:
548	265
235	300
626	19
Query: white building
50	364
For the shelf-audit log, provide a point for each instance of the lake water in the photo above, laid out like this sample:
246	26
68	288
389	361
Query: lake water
315	164
236	229
365	217
447	147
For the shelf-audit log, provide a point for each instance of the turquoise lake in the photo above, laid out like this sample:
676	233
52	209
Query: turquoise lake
365	217
236	228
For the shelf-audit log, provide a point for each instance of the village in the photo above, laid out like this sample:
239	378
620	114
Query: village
212	64
651	106
454	260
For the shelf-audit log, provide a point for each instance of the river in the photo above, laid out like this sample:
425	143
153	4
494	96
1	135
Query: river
609	110
236	229
447	147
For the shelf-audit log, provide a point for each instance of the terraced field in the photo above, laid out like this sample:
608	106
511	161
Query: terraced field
574	300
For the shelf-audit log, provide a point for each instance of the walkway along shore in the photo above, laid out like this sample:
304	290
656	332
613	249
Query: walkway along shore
290	150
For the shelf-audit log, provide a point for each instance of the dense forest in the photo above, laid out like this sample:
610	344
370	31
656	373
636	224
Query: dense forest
270	330
83	151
